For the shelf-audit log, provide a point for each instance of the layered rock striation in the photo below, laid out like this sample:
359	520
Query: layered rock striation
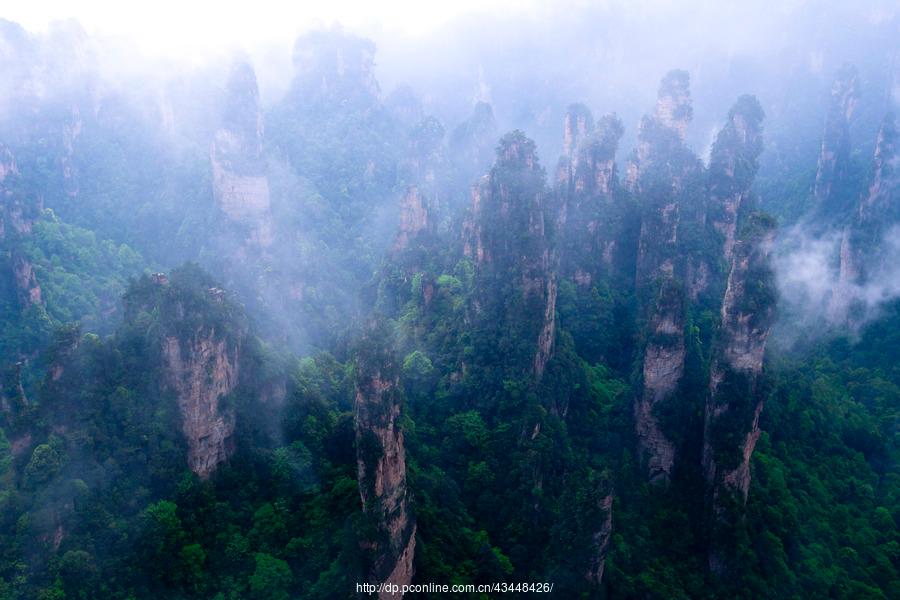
381	462
733	164
833	170
731	420
668	181
591	214
863	251
240	182
200	336
17	217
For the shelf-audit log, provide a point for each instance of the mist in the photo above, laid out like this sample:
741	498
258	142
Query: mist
284	289
529	63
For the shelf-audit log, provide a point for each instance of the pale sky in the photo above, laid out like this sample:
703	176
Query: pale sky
174	27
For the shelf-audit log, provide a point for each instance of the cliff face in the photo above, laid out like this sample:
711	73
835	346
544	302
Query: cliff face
423	170
600	543
202	370
673	114
381	463
71	132
332	66
578	124
240	184
731	423
834	158
424	161
413	218
507	235
662	370
591	215
16	220
472	143
669	183
200	351
732	167
862	253
27	288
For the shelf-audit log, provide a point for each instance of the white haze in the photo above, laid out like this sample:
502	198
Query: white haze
807	271
531	59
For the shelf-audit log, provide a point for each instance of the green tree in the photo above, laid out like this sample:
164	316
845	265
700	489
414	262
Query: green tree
271	580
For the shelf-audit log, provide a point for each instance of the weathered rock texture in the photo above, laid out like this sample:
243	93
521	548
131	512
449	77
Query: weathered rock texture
413	218
834	158
736	395
862	251
202	370
669	183
673	106
17	217
673	113
732	167
507	235
591	218
600	542
731	423
662	371
240	183
381	462
27	288
424	159
472	144
71	132
200	342
579	123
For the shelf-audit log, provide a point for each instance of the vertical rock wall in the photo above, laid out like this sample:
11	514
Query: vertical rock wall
381	462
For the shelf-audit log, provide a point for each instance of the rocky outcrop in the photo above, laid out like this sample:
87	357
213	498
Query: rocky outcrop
381	462
506	235
240	183
834	158
27	288
472	144
862	250
422	170
578	124
17	218
201	371
335	67
731	420
732	167
600	543
673	105
881	198
594	168
547	334
672	115
424	161
413	218
7	164
200	352
590	216
736	395
662	371
71	132
12	395
669	184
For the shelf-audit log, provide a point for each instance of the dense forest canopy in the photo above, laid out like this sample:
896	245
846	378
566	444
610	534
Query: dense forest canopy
599	297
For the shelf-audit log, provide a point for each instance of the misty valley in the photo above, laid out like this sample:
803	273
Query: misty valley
586	301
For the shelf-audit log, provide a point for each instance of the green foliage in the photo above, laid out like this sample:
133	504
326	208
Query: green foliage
509	472
271	580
